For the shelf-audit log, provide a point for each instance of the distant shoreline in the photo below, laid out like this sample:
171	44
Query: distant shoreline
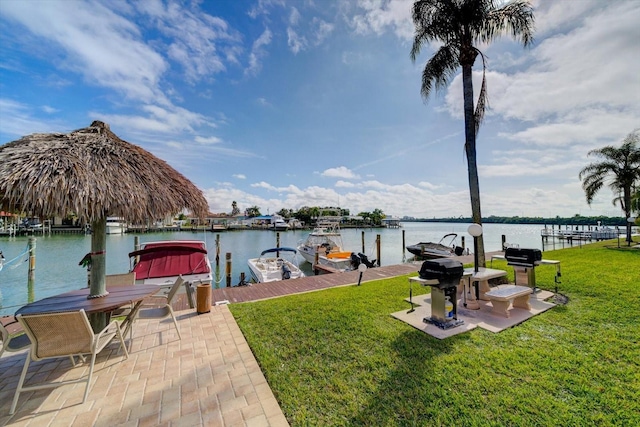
575	220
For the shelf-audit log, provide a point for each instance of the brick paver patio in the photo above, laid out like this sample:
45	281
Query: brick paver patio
209	378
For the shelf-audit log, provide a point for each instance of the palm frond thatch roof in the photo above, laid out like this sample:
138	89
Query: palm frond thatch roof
93	173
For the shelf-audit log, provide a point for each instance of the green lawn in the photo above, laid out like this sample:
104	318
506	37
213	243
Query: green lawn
337	357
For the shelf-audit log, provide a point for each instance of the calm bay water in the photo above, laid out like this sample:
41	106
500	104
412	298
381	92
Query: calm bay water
57	256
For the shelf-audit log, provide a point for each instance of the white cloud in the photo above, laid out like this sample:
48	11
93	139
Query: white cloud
296	42
239	176
263	102
345	184
321	30
340	172
258	52
262	7
294	17
18	121
49	110
207	140
158	119
199	42
380	16
109	52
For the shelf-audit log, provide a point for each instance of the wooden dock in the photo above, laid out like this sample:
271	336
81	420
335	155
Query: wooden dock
262	291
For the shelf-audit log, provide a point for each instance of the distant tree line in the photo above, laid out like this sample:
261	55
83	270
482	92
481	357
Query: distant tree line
558	220
309	214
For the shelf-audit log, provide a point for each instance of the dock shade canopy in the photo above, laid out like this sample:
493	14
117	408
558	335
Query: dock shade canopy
446	270
92	173
166	260
275	250
523	257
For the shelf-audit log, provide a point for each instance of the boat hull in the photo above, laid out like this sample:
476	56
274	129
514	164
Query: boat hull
430	250
115	226
272	269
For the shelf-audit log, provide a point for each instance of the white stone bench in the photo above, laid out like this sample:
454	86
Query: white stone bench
502	298
482	276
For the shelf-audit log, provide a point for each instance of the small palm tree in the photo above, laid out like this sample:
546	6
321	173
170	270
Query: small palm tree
234	208
619	169
460	25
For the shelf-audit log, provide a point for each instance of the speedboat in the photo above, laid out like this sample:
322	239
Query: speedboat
161	262
432	250
279	225
270	269
325	239
344	261
115	225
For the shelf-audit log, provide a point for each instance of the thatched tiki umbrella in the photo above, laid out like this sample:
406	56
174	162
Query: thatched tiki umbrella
94	174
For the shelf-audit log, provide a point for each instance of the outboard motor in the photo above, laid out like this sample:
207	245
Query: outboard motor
286	272
327	248
365	260
355	261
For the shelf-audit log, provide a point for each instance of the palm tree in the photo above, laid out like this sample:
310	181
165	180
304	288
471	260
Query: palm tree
619	169
234	208
252	211
460	25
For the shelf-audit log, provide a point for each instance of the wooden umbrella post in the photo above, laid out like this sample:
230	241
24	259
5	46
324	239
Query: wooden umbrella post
98	287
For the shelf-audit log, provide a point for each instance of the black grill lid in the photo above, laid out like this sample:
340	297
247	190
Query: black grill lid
523	256
443	269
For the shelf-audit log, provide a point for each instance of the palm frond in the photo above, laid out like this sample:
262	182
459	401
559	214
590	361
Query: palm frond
478	115
439	70
516	17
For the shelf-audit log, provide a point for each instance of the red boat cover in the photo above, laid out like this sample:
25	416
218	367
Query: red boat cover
166	259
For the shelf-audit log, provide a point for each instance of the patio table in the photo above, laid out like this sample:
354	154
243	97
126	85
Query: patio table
117	297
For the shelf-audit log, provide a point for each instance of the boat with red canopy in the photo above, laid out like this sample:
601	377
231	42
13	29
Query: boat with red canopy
161	262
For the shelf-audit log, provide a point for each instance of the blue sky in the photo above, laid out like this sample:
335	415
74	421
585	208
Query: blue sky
282	104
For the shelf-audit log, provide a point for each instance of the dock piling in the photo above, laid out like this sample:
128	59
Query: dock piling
228	268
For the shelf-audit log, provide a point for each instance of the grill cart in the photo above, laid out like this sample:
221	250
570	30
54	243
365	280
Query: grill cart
443	275
524	261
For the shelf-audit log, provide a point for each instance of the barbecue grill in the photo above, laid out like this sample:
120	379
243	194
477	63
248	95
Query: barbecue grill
444	276
524	261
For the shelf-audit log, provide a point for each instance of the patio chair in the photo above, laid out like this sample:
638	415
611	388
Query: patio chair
12	334
68	334
120	279
160	306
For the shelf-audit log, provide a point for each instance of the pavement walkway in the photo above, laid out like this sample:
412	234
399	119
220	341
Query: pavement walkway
208	378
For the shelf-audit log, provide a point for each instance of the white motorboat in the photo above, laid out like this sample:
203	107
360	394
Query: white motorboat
432	250
325	239
161	262
279	225
116	225
270	269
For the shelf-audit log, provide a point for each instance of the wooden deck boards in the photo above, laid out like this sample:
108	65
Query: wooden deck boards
261	291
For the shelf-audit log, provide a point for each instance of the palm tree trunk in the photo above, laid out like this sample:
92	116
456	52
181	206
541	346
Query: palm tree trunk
627	212
470	150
